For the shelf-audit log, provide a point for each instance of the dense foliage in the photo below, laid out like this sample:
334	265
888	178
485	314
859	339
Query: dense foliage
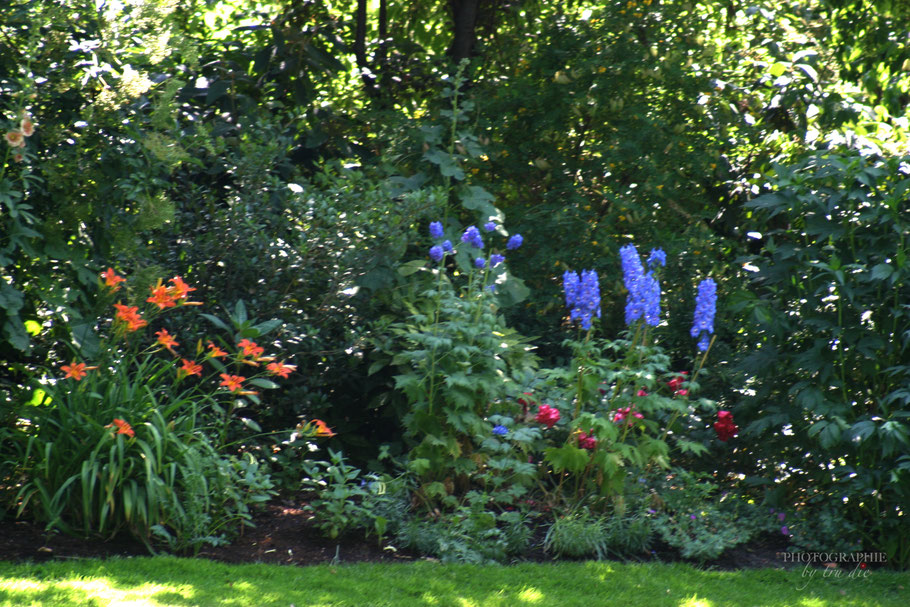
430	208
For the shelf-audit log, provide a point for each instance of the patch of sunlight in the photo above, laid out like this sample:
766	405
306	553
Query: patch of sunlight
695	602
135	596
20	585
812	602
466	602
603	570
530	595
429	599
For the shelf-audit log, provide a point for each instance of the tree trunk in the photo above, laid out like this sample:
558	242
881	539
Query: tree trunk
464	21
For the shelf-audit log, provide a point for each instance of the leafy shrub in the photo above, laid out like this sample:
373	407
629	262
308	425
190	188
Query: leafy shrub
828	371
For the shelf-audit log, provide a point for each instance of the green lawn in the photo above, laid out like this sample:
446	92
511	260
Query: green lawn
173	581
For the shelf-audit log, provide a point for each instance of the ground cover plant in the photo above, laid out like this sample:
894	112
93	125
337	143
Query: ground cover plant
482	281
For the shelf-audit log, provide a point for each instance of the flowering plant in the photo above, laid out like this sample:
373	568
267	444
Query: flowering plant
619	405
455	358
124	443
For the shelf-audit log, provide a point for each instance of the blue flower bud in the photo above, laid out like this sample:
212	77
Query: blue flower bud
436	253
514	242
436	229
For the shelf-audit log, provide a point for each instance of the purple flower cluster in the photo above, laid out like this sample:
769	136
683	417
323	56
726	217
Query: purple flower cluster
643	300
705	308
582	296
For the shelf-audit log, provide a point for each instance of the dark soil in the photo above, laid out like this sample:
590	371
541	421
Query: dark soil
284	534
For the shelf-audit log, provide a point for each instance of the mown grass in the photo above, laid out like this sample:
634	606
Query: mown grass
174	581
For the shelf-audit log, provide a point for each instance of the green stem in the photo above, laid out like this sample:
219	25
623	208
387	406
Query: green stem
581	359
431	393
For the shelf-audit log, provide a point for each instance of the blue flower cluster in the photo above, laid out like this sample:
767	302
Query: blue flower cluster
643	300
705	308
472	237
500	430
657	258
582	296
437	252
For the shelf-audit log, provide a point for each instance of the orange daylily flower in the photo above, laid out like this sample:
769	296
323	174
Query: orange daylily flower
167	340
180	290
161	297
232	382
188	368
322	429
250	348
129	315
76	370
280	369
122	427
216	352
112	280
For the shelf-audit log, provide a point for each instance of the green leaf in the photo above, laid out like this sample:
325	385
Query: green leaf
567	458
264	383
268	326
240	315
216	91
16	335
882	271
778	69
410	267
86	339
419	466
251	424
808	70
862	430
10	299
215	321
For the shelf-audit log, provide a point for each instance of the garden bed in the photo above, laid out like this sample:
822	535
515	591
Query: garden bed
284	534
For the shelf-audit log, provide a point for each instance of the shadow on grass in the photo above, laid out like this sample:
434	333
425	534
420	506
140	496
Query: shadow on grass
193	582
